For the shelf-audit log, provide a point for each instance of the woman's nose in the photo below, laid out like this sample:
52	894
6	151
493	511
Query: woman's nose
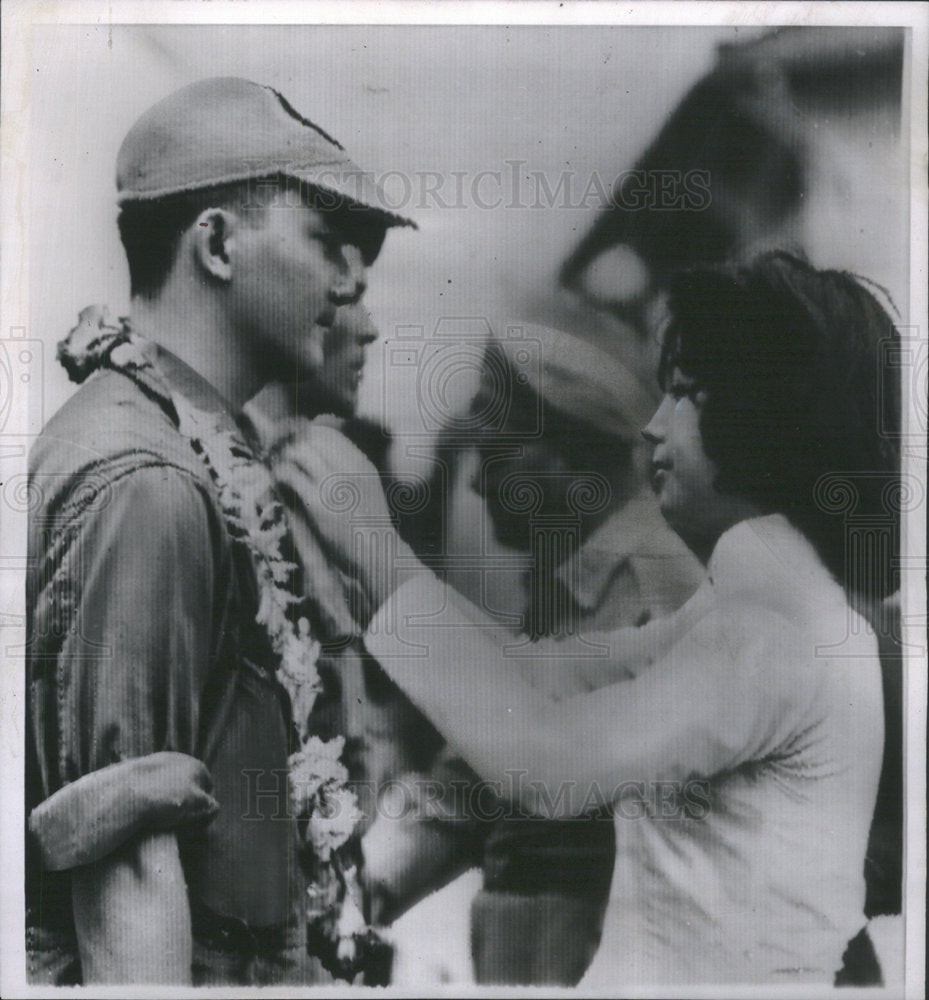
654	430
350	282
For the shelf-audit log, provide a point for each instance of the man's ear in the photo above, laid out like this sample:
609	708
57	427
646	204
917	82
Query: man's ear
214	235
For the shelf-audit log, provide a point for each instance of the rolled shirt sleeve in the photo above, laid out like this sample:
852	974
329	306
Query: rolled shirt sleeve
88	819
717	697
123	604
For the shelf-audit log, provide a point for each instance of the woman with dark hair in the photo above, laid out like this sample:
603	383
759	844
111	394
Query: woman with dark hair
742	758
794	400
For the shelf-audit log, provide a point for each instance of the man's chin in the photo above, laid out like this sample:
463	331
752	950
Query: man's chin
317	403
311	397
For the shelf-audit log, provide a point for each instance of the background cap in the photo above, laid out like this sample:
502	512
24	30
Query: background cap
581	380
226	129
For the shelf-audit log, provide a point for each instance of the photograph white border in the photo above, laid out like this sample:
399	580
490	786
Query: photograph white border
18	19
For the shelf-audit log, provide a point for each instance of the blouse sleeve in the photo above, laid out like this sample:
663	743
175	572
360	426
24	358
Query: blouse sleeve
722	694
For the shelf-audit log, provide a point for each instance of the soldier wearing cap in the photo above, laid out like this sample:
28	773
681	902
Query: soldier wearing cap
546	468
152	687
603	556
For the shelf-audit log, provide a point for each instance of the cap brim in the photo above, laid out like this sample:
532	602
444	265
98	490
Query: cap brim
357	189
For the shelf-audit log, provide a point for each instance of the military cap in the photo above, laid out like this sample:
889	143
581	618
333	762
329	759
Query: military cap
226	129
577	378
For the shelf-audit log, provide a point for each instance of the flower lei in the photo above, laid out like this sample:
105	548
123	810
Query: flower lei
326	808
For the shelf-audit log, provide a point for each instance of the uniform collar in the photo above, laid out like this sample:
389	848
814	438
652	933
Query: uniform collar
167	375
95	344
170	374
269	417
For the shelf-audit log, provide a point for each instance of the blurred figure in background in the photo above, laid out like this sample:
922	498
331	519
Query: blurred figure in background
385	736
572	492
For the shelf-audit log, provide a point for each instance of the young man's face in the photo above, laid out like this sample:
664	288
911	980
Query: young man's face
682	474
344	347
293	271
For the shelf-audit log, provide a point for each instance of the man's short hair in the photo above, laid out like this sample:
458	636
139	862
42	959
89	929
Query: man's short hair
790	360
151	229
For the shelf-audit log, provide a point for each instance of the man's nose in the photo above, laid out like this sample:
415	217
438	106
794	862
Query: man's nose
350	282
654	431
367	331
355	321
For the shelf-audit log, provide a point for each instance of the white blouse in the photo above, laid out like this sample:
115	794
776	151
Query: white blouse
741	755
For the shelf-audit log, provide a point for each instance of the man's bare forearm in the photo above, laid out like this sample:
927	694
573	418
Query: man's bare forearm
132	916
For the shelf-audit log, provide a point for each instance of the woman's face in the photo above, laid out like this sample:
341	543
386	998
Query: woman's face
682	474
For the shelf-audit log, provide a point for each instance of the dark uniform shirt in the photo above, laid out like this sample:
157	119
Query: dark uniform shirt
142	638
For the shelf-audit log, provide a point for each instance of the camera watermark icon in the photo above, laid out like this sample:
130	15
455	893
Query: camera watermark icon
872	506
458	386
22	407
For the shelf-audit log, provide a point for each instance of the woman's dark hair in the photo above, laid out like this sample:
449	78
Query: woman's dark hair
800	416
151	230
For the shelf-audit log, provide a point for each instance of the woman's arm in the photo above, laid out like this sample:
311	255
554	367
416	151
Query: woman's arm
559	671
702	707
707	705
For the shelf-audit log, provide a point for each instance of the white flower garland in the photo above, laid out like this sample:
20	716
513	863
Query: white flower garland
245	491
254	515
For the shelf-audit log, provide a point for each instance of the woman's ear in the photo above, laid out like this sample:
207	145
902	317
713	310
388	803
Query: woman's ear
214	235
